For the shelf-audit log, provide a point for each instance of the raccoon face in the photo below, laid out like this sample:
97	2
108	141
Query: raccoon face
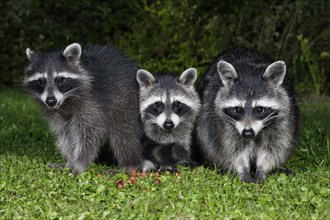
53	78
167	113
250	117
167	102
248	108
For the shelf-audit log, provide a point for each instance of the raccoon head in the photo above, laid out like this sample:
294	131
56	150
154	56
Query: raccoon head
167	101
53	77
251	101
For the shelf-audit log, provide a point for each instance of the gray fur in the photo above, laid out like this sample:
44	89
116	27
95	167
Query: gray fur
227	73
96	104
275	73
167	88
247	78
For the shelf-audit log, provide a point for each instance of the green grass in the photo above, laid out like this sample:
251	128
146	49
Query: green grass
31	190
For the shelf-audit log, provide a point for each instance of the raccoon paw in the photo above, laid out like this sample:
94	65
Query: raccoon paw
148	166
247	178
56	165
222	171
78	168
192	164
170	169
260	176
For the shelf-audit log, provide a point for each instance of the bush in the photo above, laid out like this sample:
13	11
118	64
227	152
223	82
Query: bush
170	35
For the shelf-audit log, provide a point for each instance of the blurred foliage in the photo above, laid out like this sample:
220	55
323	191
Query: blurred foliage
174	35
313	63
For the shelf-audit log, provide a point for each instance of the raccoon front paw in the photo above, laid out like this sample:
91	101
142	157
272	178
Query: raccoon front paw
77	169
260	176
148	166
170	169
222	171
247	178
192	164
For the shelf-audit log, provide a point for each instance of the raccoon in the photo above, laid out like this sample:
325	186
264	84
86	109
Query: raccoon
90	97
168	106
249	116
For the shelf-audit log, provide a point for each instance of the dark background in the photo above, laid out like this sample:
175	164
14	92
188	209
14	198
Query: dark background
173	35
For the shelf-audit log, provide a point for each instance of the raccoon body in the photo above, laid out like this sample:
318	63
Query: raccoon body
90	97
163	156
168	107
249	116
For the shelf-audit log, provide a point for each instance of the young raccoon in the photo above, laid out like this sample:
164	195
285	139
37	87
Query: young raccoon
90	97
168	107
249	115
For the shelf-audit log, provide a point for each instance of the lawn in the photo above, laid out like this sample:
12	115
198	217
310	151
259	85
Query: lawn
31	190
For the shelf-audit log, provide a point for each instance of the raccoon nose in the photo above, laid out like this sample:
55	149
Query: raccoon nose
51	101
168	124
248	133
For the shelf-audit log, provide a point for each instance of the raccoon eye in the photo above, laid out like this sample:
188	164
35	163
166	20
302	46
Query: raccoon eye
263	112
235	113
238	110
177	104
41	82
60	80
260	109
158	104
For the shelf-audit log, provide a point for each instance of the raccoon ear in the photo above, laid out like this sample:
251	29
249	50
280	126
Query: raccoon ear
29	53
227	73
188	77
72	53
144	78
275	72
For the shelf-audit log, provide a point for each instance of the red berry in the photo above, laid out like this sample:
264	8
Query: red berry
157	181
132	180
120	184
134	173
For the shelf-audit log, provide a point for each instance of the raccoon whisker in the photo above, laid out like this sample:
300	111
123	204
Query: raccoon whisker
229	119
72	90
32	92
35	94
186	115
72	95
270	115
270	119
266	123
216	116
